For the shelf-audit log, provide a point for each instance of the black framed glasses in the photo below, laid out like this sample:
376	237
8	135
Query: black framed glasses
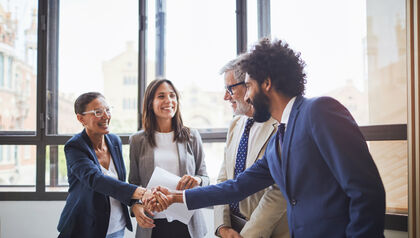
230	87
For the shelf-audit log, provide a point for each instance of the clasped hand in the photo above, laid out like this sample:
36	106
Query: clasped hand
159	199
155	200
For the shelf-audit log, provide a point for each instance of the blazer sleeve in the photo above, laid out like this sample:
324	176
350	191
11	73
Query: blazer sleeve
222	212
88	173
265	218
250	181
345	151
134	176
200	164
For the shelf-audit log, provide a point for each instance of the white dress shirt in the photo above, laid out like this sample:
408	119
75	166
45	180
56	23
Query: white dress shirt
286	112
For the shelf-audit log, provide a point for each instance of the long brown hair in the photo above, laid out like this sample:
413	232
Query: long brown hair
181	133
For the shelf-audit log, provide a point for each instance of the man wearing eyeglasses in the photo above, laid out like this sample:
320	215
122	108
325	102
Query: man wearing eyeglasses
246	142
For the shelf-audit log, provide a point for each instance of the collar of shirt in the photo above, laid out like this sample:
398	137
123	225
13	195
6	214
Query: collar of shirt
286	111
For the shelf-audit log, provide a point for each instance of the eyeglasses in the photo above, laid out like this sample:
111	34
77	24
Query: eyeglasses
230	87
99	112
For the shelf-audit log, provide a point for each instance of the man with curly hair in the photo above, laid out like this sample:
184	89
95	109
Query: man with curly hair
264	211
325	171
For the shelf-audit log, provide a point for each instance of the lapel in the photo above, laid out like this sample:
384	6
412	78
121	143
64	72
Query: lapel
262	137
112	149
115	156
182	158
146	162
290	127
86	138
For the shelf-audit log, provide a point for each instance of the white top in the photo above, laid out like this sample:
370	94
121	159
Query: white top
116	218
166	156
286	112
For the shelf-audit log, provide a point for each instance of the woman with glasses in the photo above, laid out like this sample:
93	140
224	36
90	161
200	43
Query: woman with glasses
166	143
98	196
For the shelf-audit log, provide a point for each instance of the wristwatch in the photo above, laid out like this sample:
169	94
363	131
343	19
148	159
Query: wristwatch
139	201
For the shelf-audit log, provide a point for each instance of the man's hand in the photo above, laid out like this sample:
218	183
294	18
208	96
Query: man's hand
187	182
167	197
228	232
142	219
158	202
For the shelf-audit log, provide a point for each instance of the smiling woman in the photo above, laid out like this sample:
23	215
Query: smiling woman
96	175
166	143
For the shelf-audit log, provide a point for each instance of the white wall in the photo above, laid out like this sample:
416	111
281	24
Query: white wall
40	219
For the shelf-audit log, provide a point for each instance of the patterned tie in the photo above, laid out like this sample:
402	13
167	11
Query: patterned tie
240	160
281	130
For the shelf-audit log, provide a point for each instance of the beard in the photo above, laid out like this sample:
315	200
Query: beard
261	104
242	107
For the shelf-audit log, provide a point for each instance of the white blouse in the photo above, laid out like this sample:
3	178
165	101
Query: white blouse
116	218
166	157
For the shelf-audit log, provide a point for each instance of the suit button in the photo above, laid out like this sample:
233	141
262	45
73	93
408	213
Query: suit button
293	202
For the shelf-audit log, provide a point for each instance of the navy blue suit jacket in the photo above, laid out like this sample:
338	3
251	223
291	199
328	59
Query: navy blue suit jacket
326	174
87	209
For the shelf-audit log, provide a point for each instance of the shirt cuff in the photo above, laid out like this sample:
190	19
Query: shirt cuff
183	198
217	232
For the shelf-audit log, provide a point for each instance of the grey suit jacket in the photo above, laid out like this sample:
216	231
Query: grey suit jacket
265	210
191	162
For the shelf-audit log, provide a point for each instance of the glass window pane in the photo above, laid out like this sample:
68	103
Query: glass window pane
18	69
98	52
252	22
56	168
214	155
197	43
17	167
391	159
355	51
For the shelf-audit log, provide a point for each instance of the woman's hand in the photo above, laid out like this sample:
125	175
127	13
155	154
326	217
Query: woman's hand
158	203
148	194
172	196
139	193
187	182
142	193
142	219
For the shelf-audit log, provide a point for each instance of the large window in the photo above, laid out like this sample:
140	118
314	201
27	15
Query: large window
356	52
98	49
18	41
191	46
18	73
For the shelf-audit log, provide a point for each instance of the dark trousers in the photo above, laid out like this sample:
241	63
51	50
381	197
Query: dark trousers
165	229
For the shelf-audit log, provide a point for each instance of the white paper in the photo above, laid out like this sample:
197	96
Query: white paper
177	211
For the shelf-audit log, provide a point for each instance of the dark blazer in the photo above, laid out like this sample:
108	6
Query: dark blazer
87	209
326	173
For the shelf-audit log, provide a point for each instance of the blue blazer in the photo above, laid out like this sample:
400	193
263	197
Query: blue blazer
326	174
87	209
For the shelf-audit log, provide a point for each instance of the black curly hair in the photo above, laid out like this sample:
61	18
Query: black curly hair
278	62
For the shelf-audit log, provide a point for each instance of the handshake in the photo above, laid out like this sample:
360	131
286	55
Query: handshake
159	199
